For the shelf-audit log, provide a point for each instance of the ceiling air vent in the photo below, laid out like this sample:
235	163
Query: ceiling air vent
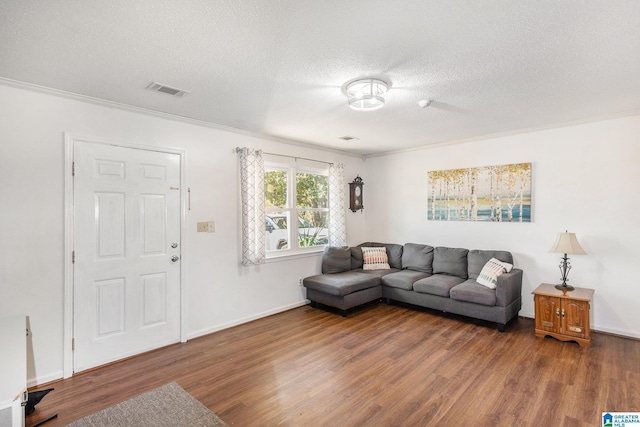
348	138
159	87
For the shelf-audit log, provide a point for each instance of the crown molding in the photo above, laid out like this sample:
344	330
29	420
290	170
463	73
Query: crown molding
112	104
558	125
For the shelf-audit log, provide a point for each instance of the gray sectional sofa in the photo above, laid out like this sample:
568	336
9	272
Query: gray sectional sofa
439	278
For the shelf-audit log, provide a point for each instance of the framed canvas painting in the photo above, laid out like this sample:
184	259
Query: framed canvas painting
490	193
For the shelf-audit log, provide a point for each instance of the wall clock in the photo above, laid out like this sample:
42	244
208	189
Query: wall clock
355	194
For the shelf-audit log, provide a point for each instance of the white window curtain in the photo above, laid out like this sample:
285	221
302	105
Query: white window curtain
253	212
337	215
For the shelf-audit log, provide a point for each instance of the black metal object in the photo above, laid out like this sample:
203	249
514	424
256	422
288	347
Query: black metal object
33	399
564	266
53	417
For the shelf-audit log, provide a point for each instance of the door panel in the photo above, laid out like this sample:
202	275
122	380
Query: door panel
154	291
110	230
110	306
126	286
154	219
546	313
575	318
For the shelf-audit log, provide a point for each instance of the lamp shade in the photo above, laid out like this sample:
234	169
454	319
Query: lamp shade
567	243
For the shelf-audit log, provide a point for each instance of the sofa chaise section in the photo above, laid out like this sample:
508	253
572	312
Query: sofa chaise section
343	290
343	283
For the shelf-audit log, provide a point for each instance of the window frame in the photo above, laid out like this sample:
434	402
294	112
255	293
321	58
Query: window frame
292	210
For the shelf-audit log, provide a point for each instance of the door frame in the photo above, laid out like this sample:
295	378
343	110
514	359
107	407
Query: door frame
69	140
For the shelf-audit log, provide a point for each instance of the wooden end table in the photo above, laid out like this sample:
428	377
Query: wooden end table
563	315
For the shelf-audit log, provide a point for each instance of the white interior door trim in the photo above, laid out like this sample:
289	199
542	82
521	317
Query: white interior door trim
69	140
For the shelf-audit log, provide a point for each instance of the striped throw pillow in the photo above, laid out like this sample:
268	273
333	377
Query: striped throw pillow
492	269
375	259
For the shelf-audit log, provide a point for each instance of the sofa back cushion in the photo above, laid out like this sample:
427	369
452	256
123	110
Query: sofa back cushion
394	252
336	259
357	260
478	259
417	257
451	261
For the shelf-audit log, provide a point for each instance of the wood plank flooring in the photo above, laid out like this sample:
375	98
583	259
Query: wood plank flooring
381	366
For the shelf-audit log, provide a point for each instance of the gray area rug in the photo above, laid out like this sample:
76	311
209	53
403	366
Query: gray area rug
166	406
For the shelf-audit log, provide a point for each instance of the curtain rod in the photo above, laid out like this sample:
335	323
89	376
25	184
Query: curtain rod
238	149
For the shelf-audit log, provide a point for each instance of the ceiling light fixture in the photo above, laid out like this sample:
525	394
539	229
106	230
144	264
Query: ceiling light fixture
366	94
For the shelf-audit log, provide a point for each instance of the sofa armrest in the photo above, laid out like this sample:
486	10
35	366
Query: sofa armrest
509	287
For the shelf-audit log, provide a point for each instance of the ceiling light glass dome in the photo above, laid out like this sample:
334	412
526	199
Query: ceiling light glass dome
366	94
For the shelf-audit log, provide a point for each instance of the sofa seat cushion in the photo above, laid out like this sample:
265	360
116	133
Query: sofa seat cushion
471	291
341	284
438	284
377	273
403	279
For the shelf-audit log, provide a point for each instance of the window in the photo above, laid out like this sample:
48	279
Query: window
296	204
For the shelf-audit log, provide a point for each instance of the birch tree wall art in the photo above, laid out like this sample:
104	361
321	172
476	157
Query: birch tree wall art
491	193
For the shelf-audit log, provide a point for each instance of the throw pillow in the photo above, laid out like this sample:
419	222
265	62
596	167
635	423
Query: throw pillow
492	269
375	259
394	252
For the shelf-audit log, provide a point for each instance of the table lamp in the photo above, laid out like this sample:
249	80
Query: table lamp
566	243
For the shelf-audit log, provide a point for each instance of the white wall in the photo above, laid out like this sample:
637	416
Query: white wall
585	180
220	292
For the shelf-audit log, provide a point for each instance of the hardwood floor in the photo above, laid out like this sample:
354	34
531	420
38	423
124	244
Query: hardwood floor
381	366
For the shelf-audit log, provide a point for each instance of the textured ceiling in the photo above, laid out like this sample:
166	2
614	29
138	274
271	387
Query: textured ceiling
279	67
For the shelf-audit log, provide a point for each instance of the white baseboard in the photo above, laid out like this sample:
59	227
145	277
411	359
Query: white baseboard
38	380
522	313
610	331
201	332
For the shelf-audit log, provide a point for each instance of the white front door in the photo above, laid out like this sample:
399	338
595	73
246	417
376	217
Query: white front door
126	278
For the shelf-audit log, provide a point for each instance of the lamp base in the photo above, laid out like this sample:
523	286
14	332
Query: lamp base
564	288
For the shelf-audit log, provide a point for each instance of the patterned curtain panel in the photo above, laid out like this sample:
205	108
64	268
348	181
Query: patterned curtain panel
337	215
252	188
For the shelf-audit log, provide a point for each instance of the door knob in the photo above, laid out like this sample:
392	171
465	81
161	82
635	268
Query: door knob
174	245
175	258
